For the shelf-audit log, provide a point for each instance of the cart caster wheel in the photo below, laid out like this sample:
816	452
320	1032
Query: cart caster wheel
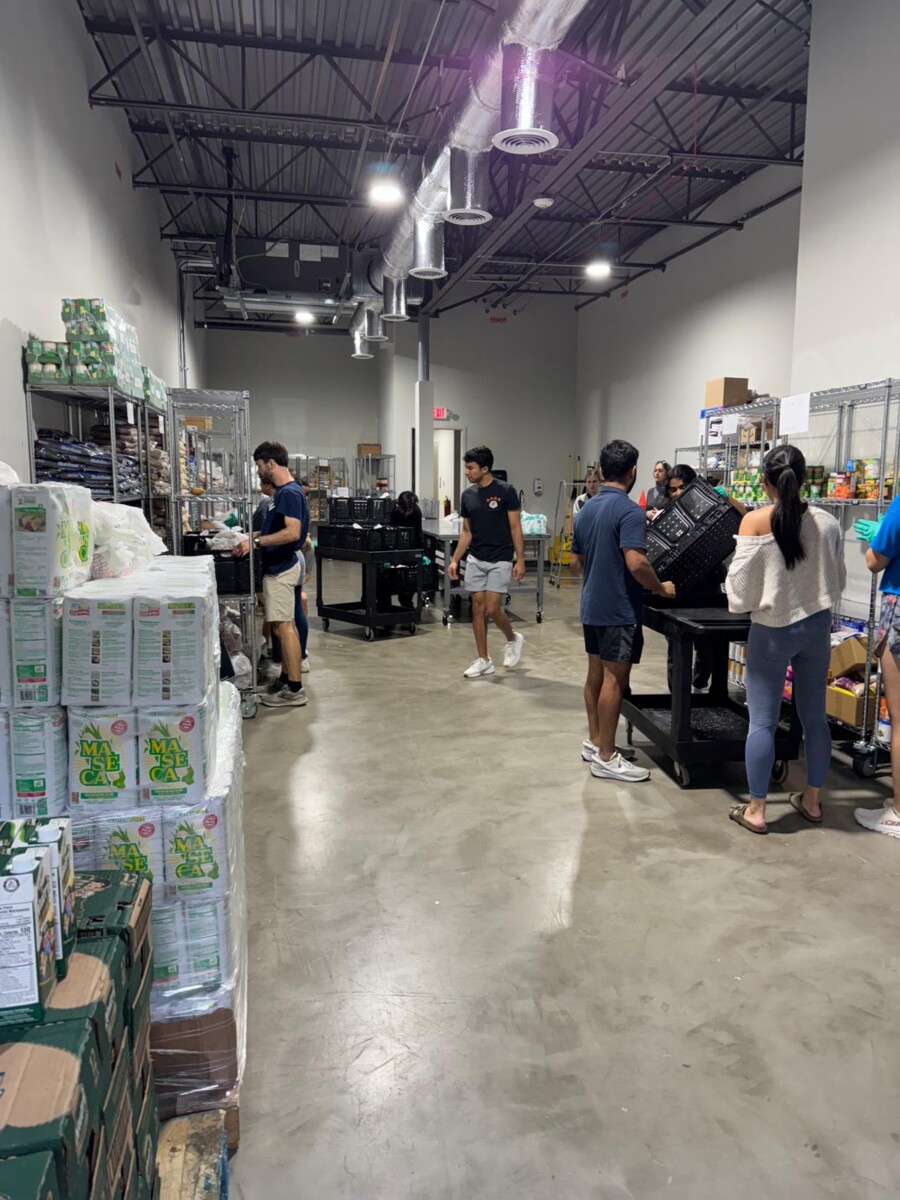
326	624
539	618
370	635
412	627
865	764
682	775
779	772
445	619
249	708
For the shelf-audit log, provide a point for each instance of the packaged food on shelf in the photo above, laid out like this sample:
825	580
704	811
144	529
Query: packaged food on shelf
155	391
6	778
48	543
39	759
175	637
7	692
53	834
103	757
98	631
6	541
61	457
103	346
46	362
27	923
177	750
36	651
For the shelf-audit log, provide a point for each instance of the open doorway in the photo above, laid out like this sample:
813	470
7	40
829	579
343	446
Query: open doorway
447	453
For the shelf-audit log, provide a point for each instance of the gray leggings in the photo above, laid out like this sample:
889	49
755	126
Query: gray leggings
806	646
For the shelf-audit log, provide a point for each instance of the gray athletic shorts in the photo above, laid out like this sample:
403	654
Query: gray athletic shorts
487	576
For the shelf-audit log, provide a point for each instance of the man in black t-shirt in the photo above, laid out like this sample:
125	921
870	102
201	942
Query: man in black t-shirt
492	534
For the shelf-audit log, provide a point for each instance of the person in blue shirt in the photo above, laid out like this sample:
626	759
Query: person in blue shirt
883	554
609	545
284	530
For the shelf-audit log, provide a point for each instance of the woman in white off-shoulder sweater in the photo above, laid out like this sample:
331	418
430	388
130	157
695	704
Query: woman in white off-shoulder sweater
788	573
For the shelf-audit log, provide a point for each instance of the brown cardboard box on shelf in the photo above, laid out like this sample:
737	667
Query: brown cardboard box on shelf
846	707
723	393
847	657
365	448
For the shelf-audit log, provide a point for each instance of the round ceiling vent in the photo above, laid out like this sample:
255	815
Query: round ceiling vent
468	216
525	141
428	272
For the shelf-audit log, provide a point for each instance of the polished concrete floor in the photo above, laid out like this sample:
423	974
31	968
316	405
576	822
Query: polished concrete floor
476	973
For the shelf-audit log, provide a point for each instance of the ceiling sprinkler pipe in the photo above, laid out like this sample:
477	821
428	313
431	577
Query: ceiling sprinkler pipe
428	250
526	107
360	347
394	300
373	329
467	198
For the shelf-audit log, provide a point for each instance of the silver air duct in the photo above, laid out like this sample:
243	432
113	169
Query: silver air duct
373	328
428	249
529	81
394	300
467	199
360	346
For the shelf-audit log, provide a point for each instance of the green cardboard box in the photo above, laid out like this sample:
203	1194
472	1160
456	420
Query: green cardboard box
53	1090
28	936
117	903
30	1178
99	1182
142	1069
111	952
56	834
118	1121
146	1136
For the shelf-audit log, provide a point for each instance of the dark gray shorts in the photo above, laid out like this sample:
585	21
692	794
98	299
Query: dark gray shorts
615	643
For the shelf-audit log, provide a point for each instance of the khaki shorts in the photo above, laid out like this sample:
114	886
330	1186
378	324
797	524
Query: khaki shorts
278	594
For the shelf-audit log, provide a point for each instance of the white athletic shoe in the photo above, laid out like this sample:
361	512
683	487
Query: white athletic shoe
513	651
879	820
480	667
283	698
589	751
618	768
304	666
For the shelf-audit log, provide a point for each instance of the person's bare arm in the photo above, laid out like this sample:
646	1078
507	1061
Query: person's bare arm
639	565
515	528
462	546
576	562
876	562
290	533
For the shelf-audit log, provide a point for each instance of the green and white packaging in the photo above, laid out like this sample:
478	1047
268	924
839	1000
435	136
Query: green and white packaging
26	936
196	850
103	757
54	834
36	651
132	841
6	541
177	750
97	640
45	541
6	678
175	629
38	752
6	787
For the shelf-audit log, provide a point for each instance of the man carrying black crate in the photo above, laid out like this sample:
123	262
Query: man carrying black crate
284	531
492	534
609	545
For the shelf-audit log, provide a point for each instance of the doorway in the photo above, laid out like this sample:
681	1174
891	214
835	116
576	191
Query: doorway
447	453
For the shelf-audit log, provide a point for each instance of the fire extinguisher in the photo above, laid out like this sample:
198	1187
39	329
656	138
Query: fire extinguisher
446	506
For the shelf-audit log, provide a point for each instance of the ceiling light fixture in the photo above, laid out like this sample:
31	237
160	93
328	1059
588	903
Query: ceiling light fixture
543	202
599	268
304	317
386	193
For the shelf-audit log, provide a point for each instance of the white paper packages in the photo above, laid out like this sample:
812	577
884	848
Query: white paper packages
177	750
175	639
6	676
39	762
36	651
196	850
6	541
6	789
103	757
132	841
45	538
97	644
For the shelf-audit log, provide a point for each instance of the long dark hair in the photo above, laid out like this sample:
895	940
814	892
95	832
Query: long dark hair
785	470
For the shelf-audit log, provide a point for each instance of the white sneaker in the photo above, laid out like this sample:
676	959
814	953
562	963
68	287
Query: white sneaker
618	768
589	751
513	651
879	820
481	666
272	670
304	666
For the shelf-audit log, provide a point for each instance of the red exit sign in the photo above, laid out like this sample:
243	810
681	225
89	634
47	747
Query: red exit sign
439	414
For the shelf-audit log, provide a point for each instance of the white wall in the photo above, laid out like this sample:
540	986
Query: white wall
725	309
70	225
847	327
512	385
306	392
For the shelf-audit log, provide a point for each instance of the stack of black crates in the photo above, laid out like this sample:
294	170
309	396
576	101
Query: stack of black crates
692	536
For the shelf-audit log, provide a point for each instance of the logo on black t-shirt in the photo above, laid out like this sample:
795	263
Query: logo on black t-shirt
493	502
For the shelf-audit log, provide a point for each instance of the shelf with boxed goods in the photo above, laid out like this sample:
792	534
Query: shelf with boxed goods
325	476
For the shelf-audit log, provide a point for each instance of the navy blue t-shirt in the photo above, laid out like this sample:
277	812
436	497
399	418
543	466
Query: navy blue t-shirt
288	501
607	525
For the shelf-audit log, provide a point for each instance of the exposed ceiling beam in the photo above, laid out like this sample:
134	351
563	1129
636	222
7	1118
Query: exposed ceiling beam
410	58
654	222
624	106
174	188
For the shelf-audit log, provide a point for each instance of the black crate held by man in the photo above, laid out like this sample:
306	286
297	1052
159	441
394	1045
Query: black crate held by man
692	536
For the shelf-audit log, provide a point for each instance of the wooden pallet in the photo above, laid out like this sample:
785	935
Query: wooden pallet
192	1158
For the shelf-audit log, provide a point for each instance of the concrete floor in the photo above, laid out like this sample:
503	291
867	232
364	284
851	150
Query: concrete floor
476	973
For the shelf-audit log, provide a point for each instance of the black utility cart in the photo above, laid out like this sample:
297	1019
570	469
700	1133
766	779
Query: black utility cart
695	730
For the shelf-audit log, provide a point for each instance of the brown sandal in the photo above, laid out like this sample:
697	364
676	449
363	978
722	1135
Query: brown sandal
796	802
737	815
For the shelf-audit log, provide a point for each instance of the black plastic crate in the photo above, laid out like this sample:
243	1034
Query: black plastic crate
338	509
327	536
405	537
693	536
232	574
382	511
354	539
389	538
360	508
404	579
374	539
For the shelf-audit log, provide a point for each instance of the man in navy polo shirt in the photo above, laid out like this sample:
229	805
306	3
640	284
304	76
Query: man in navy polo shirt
609	545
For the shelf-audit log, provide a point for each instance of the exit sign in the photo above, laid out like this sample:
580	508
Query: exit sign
439	414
